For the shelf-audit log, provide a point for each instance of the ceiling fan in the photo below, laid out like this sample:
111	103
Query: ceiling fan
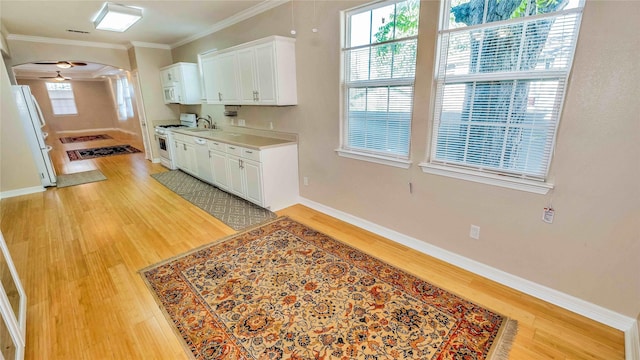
58	77
62	64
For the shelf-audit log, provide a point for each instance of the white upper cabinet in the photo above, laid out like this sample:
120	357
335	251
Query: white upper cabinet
181	84
261	72
219	73
169	75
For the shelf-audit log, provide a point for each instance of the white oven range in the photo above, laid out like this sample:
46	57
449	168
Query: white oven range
164	139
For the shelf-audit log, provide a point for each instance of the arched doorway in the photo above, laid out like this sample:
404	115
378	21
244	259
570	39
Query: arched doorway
104	101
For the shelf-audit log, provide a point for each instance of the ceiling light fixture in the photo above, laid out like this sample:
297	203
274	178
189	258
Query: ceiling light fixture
63	65
115	17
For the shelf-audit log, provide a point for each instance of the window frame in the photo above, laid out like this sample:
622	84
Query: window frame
344	150
509	179
123	98
53	100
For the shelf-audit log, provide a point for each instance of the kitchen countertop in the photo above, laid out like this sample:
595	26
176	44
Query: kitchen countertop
235	138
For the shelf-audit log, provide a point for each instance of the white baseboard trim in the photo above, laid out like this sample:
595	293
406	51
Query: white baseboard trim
632	342
132	133
571	303
23	191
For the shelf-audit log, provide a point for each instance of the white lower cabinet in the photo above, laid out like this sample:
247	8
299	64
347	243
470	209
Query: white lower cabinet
245	178
244	173
267	177
219	168
234	174
186	156
253	179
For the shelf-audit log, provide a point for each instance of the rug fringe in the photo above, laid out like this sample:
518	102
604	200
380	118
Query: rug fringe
504	341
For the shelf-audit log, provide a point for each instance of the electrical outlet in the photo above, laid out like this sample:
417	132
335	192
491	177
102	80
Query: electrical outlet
305	181
241	122
474	232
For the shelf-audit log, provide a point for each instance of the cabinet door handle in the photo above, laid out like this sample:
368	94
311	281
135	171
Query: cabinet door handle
232	148
240	164
220	96
184	146
249	152
257	96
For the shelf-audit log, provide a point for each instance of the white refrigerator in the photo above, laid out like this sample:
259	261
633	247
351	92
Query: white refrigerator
33	122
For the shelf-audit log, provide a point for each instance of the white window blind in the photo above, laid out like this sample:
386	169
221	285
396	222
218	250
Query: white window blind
123	98
379	60
501	79
62	99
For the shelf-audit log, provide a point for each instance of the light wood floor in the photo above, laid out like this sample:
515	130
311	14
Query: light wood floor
78	251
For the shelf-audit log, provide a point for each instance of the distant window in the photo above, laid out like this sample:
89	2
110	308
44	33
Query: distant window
123	98
62	99
379	61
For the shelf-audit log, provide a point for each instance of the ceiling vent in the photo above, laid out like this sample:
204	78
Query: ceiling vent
77	31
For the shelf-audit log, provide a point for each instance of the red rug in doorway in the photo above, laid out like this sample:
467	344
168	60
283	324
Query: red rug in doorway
84	154
75	139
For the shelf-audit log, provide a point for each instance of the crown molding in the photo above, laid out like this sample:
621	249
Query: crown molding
149	45
56	41
232	20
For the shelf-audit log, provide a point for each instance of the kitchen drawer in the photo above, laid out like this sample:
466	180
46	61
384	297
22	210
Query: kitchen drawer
183	138
216	145
234	150
251	154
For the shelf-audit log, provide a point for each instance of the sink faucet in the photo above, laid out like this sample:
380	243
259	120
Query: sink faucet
210	123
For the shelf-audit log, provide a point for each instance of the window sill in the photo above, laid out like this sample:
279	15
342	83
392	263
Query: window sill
404	164
489	179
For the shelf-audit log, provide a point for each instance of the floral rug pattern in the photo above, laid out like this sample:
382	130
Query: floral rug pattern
83	154
74	139
286	291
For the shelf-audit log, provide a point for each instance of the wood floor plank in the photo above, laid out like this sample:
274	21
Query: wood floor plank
79	250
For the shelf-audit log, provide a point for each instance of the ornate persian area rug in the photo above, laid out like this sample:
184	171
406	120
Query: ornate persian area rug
84	154
74	139
286	291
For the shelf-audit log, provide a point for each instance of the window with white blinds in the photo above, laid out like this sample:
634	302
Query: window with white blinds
123	98
379	62
62	100
501	78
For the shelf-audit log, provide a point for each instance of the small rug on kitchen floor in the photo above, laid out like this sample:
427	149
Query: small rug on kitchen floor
236	212
83	154
73	139
286	291
65	180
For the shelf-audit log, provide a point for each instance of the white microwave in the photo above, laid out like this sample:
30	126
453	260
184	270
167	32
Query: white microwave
172	95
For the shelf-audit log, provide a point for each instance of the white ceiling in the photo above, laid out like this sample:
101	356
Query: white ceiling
164	22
